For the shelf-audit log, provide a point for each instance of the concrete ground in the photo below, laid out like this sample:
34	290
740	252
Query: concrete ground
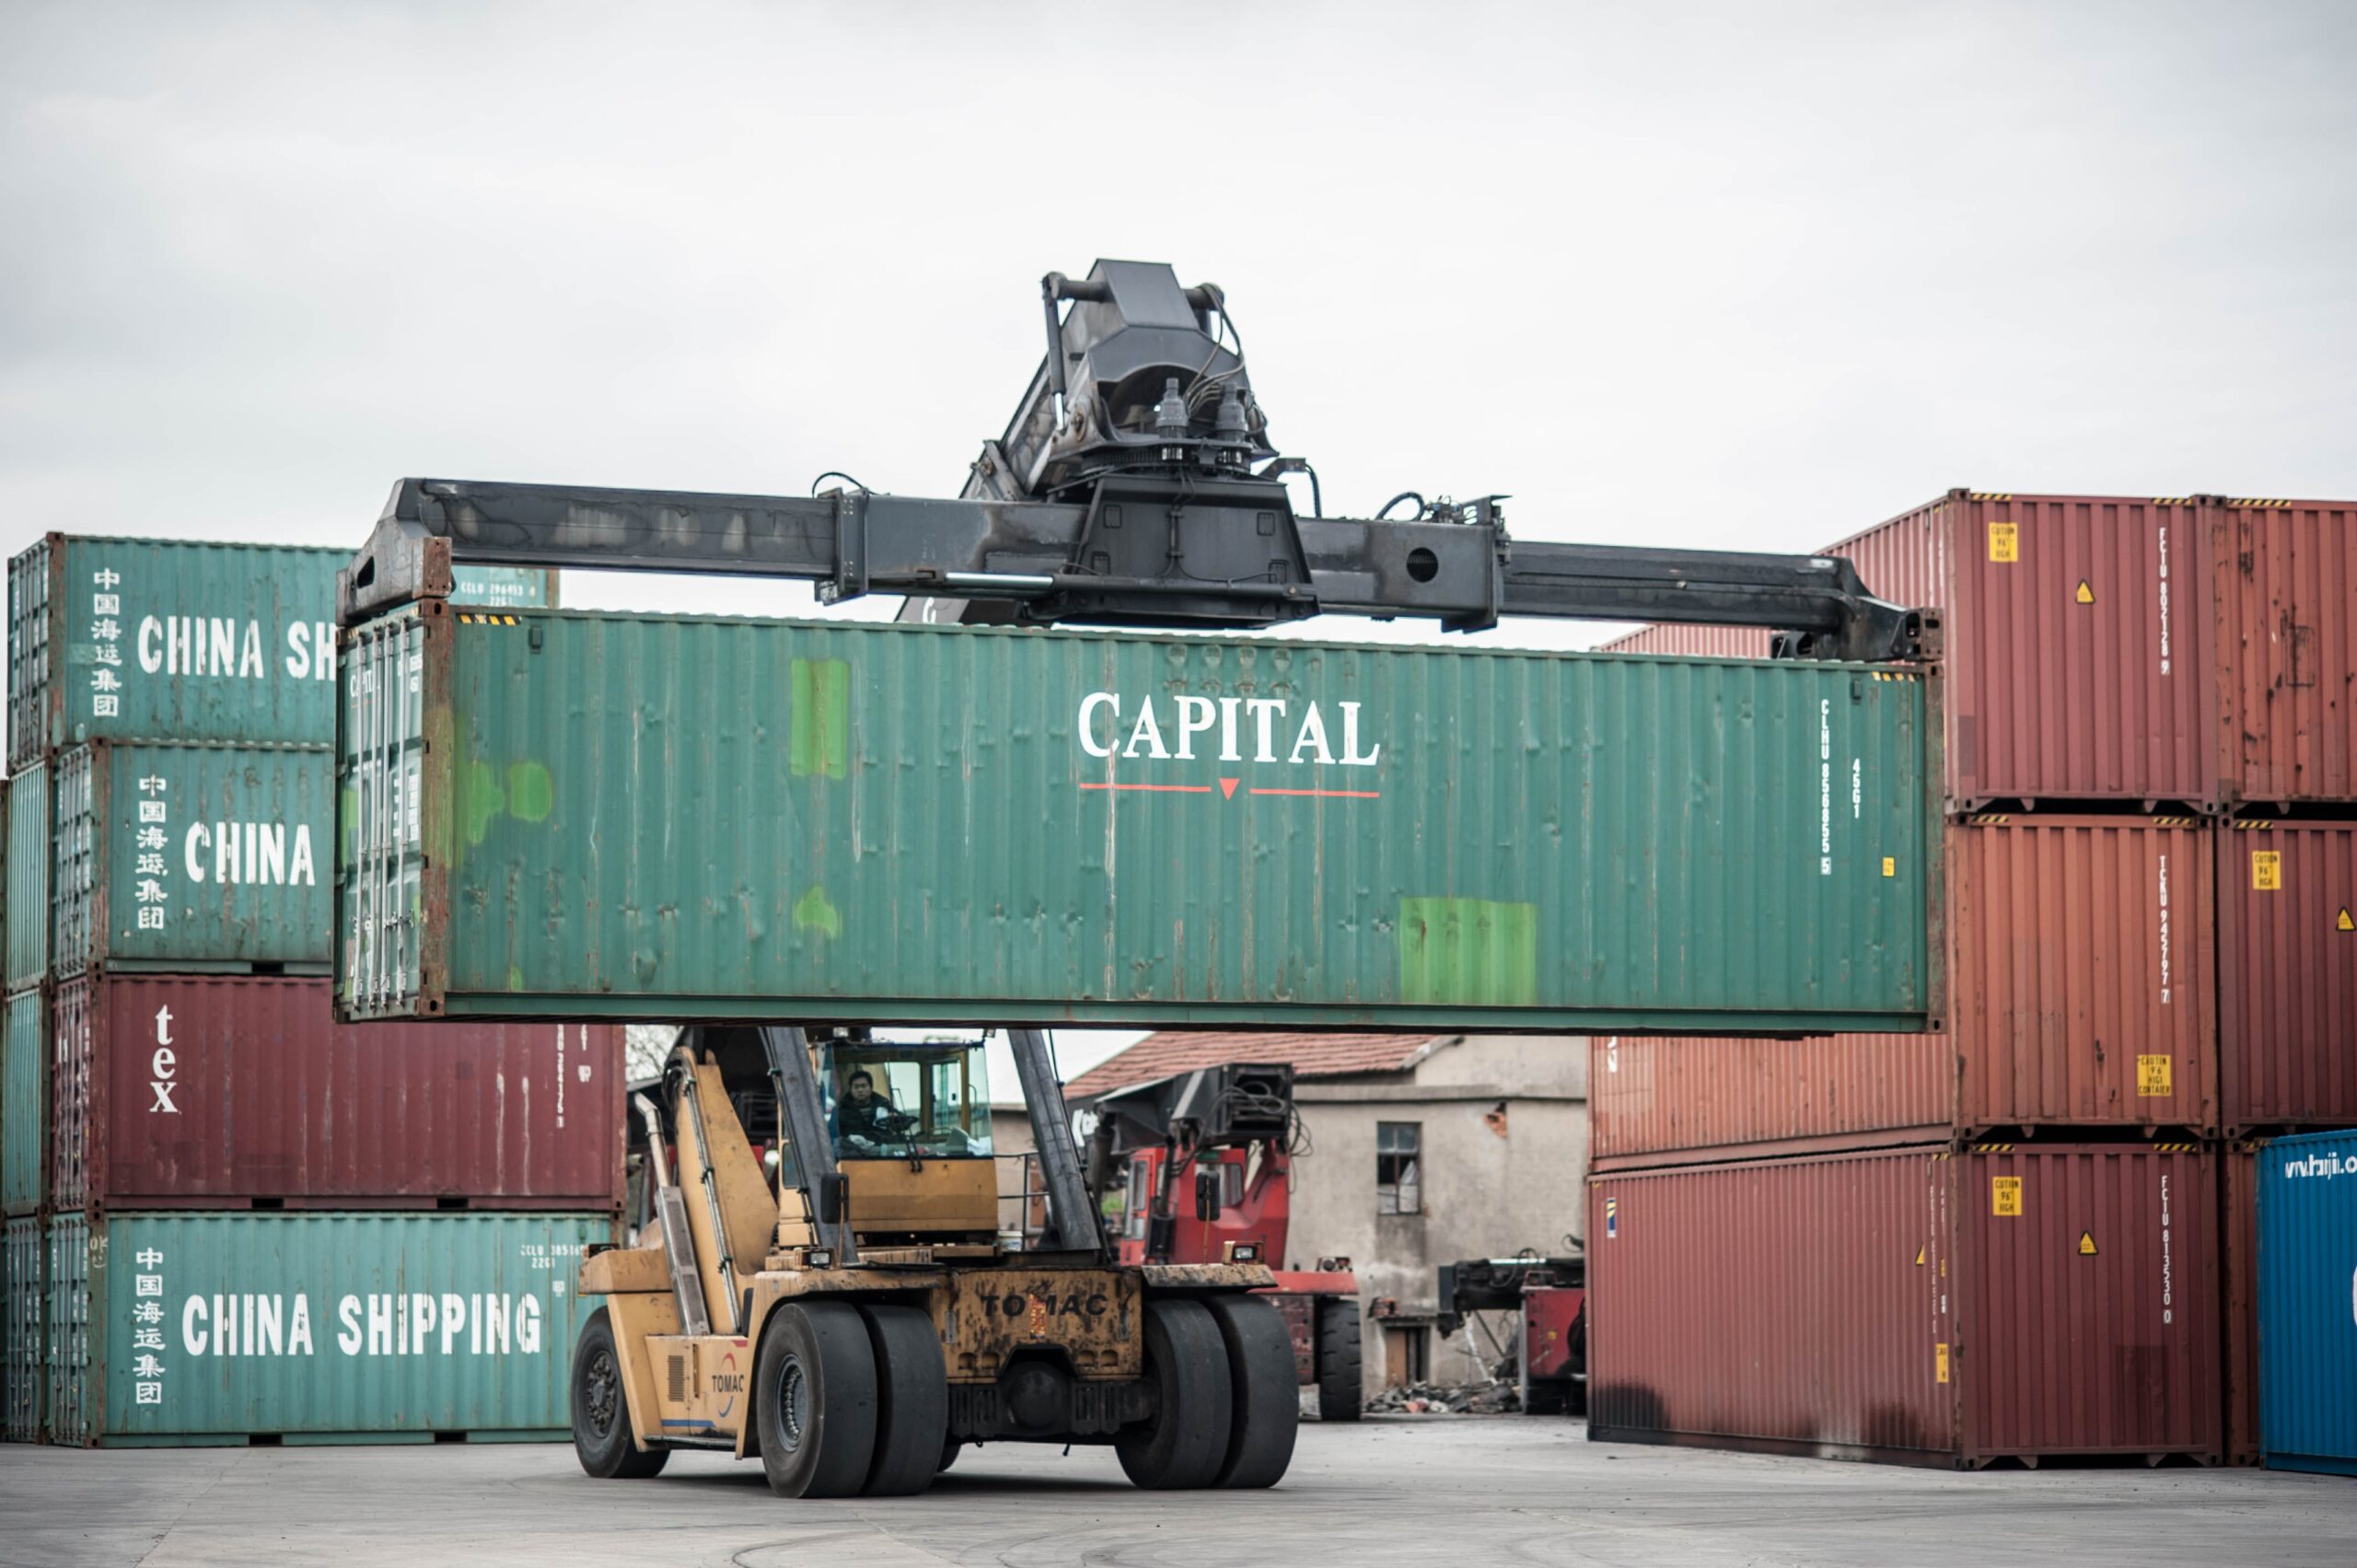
1460	1490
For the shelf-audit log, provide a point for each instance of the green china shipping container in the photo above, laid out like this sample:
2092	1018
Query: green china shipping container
24	1101
154	639
194	858
192	1328
23	1339
29	851
593	815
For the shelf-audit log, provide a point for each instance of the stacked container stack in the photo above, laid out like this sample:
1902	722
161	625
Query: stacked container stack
228	1219
2006	1238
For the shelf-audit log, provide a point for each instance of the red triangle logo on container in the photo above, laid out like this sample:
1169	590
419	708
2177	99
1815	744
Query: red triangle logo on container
1227	788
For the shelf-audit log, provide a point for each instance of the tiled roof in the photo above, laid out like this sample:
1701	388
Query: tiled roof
1312	1055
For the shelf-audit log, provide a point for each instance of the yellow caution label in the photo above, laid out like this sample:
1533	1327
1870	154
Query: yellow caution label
2086	1244
2152	1077
1940	1363
2005	543
2344	922
2267	871
1890	868
2086	594
2005	1197
1926	1247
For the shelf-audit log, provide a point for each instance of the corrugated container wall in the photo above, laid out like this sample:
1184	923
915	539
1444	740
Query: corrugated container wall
1912	1304
625	815
24	1341
1695	642
217	1091
194	857
2286	574
311	1326
2238	1232
2308	1340
2081	964
2287	973
31	852
1716	1097
24	1101
2077	651
2083	969
153	639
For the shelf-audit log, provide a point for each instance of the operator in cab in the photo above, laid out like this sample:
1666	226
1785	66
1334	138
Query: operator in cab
864	1114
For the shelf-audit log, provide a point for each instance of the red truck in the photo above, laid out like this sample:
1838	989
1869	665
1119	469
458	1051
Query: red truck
1196	1168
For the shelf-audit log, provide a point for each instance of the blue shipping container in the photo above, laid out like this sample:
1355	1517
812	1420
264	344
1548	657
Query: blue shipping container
2307	1303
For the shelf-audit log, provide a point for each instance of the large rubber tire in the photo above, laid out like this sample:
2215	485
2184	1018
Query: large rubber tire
602	1438
1264	1390
912	1401
1338	1359
1185	1442
815	1398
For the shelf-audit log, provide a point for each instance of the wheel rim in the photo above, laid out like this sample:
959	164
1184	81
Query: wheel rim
600	1385
792	1401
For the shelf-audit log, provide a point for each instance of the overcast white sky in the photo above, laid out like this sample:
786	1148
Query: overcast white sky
1737	275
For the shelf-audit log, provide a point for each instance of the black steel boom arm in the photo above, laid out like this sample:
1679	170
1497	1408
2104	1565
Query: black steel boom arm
1148	550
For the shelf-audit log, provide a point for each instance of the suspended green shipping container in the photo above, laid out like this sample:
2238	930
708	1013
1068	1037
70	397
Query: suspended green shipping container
158	639
24	1101
23	1339
193	857
28	875
558	815
197	1328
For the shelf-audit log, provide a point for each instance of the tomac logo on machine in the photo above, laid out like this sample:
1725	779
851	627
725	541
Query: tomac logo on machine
1245	730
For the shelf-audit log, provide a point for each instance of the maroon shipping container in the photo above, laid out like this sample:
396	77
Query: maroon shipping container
2076	642
1706	1096
1695	642
2238	1288
2286	576
1912	1304
2287	975
2080	985
226	1091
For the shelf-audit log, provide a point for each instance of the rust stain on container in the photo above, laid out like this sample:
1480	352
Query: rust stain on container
220	1091
2286	574
2287	973
1912	1304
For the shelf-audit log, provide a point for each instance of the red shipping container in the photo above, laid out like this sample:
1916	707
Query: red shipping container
229	1091
1912	1305
2079	979
2287	975
2238	1288
1696	642
2077	642
1701	1095
2286	633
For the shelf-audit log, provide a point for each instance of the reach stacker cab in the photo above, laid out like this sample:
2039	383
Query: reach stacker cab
832	1296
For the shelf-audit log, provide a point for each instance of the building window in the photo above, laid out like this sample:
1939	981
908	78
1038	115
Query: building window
1399	1167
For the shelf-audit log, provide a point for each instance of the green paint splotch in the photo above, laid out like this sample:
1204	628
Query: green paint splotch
821	718
531	794
1469	953
813	913
480	800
